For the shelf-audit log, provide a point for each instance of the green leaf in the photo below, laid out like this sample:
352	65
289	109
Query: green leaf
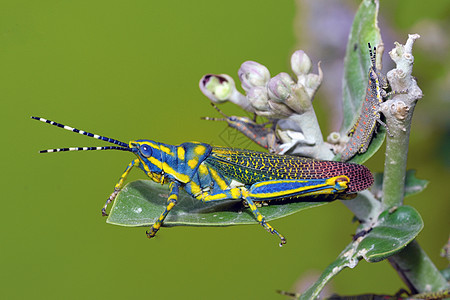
356	67
141	202
446	273
393	231
357	61
412	184
345	259
364	297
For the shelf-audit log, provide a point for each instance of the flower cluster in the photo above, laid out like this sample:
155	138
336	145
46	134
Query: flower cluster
275	97
286	102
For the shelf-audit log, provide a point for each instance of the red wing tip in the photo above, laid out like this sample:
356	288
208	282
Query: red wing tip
360	180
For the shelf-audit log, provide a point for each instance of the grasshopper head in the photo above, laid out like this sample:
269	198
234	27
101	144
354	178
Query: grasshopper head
149	155
375	74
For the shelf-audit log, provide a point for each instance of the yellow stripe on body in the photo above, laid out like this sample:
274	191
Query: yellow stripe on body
199	150
181	153
289	193
154	146
208	197
270	182
203	169
330	183
192	163
215	176
154	161
195	188
179	176
166	150
236	193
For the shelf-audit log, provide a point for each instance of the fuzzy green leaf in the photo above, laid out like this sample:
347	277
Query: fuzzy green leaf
345	259
392	232
446	273
413	185
141	202
357	61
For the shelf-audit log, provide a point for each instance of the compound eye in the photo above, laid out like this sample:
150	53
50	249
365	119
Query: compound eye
146	150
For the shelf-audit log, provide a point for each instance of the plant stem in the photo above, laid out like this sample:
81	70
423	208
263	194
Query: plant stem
417	270
398	112
412	263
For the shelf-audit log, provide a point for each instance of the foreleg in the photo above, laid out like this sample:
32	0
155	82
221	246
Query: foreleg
119	185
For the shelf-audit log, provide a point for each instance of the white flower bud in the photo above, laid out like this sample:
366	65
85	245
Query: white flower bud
218	88
258	98
252	74
300	63
280	87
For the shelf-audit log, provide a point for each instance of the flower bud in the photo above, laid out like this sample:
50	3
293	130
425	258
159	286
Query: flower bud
280	87
253	74
334	138
313	81
299	100
218	88
258	98
278	110
300	63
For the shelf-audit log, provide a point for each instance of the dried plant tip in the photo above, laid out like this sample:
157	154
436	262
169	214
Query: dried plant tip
399	110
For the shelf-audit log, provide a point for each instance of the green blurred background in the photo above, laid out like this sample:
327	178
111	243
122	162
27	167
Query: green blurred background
129	70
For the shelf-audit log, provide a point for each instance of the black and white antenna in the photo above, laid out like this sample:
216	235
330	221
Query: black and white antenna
122	146
373	55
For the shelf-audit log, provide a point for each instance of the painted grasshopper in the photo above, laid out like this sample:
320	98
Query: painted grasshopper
361	133
210	173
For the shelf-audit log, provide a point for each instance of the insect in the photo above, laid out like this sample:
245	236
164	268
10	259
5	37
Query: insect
442	294
402	294
210	173
362	132
259	133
